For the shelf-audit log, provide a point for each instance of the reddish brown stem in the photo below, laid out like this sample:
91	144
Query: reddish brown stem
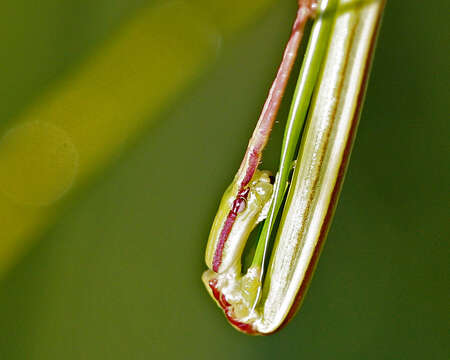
268	115
266	120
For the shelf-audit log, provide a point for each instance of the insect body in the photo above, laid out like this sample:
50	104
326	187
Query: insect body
258	303
246	203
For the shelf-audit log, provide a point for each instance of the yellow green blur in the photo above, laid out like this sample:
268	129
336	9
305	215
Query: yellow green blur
80	123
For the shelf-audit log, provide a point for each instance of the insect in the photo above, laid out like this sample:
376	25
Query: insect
332	84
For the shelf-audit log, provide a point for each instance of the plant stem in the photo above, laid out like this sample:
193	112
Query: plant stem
309	72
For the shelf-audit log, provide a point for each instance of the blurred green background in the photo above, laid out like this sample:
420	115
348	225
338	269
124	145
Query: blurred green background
121	123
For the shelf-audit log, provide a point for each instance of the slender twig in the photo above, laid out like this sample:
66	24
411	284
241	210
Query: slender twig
265	123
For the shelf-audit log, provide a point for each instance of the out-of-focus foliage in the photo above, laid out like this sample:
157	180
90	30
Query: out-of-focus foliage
121	122
73	129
